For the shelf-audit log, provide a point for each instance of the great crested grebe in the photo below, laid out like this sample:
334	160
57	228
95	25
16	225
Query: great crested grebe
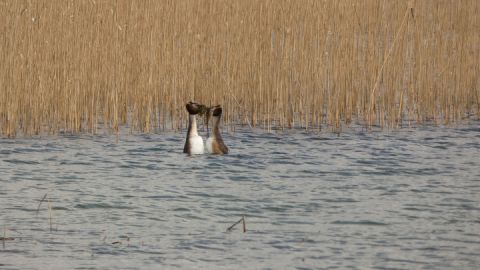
215	143
193	143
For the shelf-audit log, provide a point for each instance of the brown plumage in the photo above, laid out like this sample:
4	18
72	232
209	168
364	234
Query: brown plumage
215	144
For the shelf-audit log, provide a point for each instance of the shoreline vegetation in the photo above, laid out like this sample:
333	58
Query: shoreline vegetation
82	66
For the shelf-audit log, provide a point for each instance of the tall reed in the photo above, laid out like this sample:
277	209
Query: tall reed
81	66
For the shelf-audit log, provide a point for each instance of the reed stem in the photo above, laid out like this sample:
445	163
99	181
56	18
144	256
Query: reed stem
106	66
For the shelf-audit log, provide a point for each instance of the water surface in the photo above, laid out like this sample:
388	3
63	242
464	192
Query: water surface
407	199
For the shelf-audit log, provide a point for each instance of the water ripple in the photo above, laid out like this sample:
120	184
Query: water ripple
404	199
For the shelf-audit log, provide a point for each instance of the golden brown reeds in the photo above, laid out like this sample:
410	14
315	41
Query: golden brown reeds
82	65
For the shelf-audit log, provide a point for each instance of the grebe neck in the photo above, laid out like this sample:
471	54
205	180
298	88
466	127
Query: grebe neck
215	144
192	125
193	143
216	127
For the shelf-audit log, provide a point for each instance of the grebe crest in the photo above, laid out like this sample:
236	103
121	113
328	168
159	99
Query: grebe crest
194	142
215	144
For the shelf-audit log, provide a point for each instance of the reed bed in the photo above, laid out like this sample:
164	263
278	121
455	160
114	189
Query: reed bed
87	65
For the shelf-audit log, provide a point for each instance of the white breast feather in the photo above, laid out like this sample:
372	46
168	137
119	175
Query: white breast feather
196	145
209	145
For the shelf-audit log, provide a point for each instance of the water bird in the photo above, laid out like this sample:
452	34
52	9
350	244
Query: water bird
194	143
215	144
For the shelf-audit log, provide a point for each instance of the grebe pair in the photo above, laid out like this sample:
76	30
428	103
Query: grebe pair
194	142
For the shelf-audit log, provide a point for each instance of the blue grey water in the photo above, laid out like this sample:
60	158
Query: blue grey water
403	199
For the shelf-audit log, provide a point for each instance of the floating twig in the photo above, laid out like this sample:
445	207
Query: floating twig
7	238
41	201
119	242
238	222
50	211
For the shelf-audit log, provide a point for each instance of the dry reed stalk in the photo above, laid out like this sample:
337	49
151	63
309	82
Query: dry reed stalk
50	210
40	203
244	226
244	223
50	214
86	66
377	80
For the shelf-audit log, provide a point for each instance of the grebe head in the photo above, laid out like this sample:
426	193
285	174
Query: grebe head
217	111
194	108
213	111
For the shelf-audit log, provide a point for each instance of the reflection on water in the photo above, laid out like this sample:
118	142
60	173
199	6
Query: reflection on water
407	199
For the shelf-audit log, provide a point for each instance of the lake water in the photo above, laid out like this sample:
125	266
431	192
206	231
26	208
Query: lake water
405	199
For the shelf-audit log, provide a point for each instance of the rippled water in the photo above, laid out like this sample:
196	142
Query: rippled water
407	199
